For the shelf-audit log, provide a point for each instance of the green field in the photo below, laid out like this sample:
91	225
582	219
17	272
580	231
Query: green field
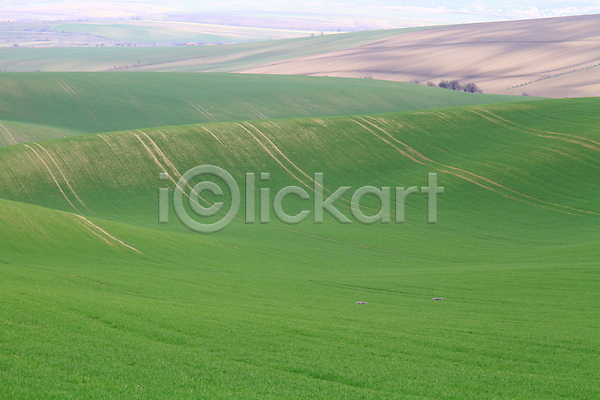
141	34
235	57
100	301
175	32
44	106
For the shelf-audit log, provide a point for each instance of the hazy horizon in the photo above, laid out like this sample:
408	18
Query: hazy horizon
408	12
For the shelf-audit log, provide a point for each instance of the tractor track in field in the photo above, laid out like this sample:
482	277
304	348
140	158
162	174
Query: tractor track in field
496	119
479	180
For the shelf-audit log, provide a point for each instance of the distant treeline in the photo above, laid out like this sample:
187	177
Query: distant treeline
454	85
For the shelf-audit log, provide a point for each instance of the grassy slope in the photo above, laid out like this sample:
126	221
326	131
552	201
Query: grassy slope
49	105
201	58
263	311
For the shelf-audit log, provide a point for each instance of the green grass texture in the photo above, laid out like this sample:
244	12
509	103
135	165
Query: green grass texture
43	106
101	301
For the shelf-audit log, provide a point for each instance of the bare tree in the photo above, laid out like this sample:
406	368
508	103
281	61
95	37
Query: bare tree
455	85
471	88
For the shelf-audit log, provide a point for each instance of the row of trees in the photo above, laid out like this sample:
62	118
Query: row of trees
454	85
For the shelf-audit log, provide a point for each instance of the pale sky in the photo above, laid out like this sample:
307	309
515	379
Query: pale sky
469	10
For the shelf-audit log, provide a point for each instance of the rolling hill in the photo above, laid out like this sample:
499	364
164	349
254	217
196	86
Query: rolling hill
181	58
438	244
43	106
552	57
102	301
